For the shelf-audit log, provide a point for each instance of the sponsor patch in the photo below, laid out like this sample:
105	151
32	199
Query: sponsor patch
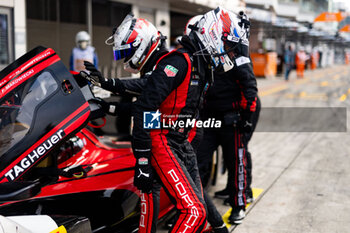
222	59
170	71
194	83
143	161
242	60
213	35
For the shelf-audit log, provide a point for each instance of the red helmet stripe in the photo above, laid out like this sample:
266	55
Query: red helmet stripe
133	36
226	21
153	47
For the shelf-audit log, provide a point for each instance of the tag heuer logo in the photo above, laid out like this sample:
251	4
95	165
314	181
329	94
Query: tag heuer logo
170	71
143	161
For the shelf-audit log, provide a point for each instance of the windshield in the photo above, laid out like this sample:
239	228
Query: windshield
17	108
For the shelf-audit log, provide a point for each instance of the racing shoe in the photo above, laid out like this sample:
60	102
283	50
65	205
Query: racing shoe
223	194
237	215
221	229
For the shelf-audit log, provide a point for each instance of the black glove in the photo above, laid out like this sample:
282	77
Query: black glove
143	179
108	107
95	76
245	124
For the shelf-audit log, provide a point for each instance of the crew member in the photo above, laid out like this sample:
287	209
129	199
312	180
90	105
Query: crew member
232	99
82	52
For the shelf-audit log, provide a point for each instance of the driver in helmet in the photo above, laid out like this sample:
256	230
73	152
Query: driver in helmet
150	146
82	52
231	98
169	90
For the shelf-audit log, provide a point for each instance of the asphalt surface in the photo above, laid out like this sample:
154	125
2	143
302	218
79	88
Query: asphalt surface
303	172
305	175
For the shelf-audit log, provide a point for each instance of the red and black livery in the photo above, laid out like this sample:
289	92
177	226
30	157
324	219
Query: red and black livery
39	108
45	147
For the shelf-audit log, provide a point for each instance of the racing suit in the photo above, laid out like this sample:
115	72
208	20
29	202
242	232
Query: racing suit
247	136
232	93
171	88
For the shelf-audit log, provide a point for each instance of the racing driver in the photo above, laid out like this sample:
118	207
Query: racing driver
165	89
170	92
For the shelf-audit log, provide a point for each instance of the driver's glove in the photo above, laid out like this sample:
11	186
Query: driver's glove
96	78
143	178
245	124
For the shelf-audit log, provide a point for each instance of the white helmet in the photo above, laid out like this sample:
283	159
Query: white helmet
135	40
191	23
82	39
219	32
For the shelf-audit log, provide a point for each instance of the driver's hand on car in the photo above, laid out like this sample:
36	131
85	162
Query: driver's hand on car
107	107
95	76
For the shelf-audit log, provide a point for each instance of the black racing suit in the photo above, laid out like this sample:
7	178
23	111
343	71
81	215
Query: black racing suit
135	87
172	89
231	93
247	136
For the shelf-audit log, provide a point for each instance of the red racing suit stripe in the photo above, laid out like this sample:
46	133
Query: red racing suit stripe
169	163
176	180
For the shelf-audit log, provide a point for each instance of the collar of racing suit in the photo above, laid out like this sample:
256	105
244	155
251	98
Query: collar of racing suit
199	62
152	61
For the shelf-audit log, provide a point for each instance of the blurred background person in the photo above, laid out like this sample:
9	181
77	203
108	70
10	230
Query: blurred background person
289	61
314	59
82	52
300	59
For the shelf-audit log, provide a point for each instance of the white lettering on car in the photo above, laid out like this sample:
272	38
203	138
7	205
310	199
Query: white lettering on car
33	156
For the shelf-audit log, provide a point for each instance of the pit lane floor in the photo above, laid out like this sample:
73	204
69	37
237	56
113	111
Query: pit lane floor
305	176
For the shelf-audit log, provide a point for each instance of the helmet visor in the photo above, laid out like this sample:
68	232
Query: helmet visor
123	51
